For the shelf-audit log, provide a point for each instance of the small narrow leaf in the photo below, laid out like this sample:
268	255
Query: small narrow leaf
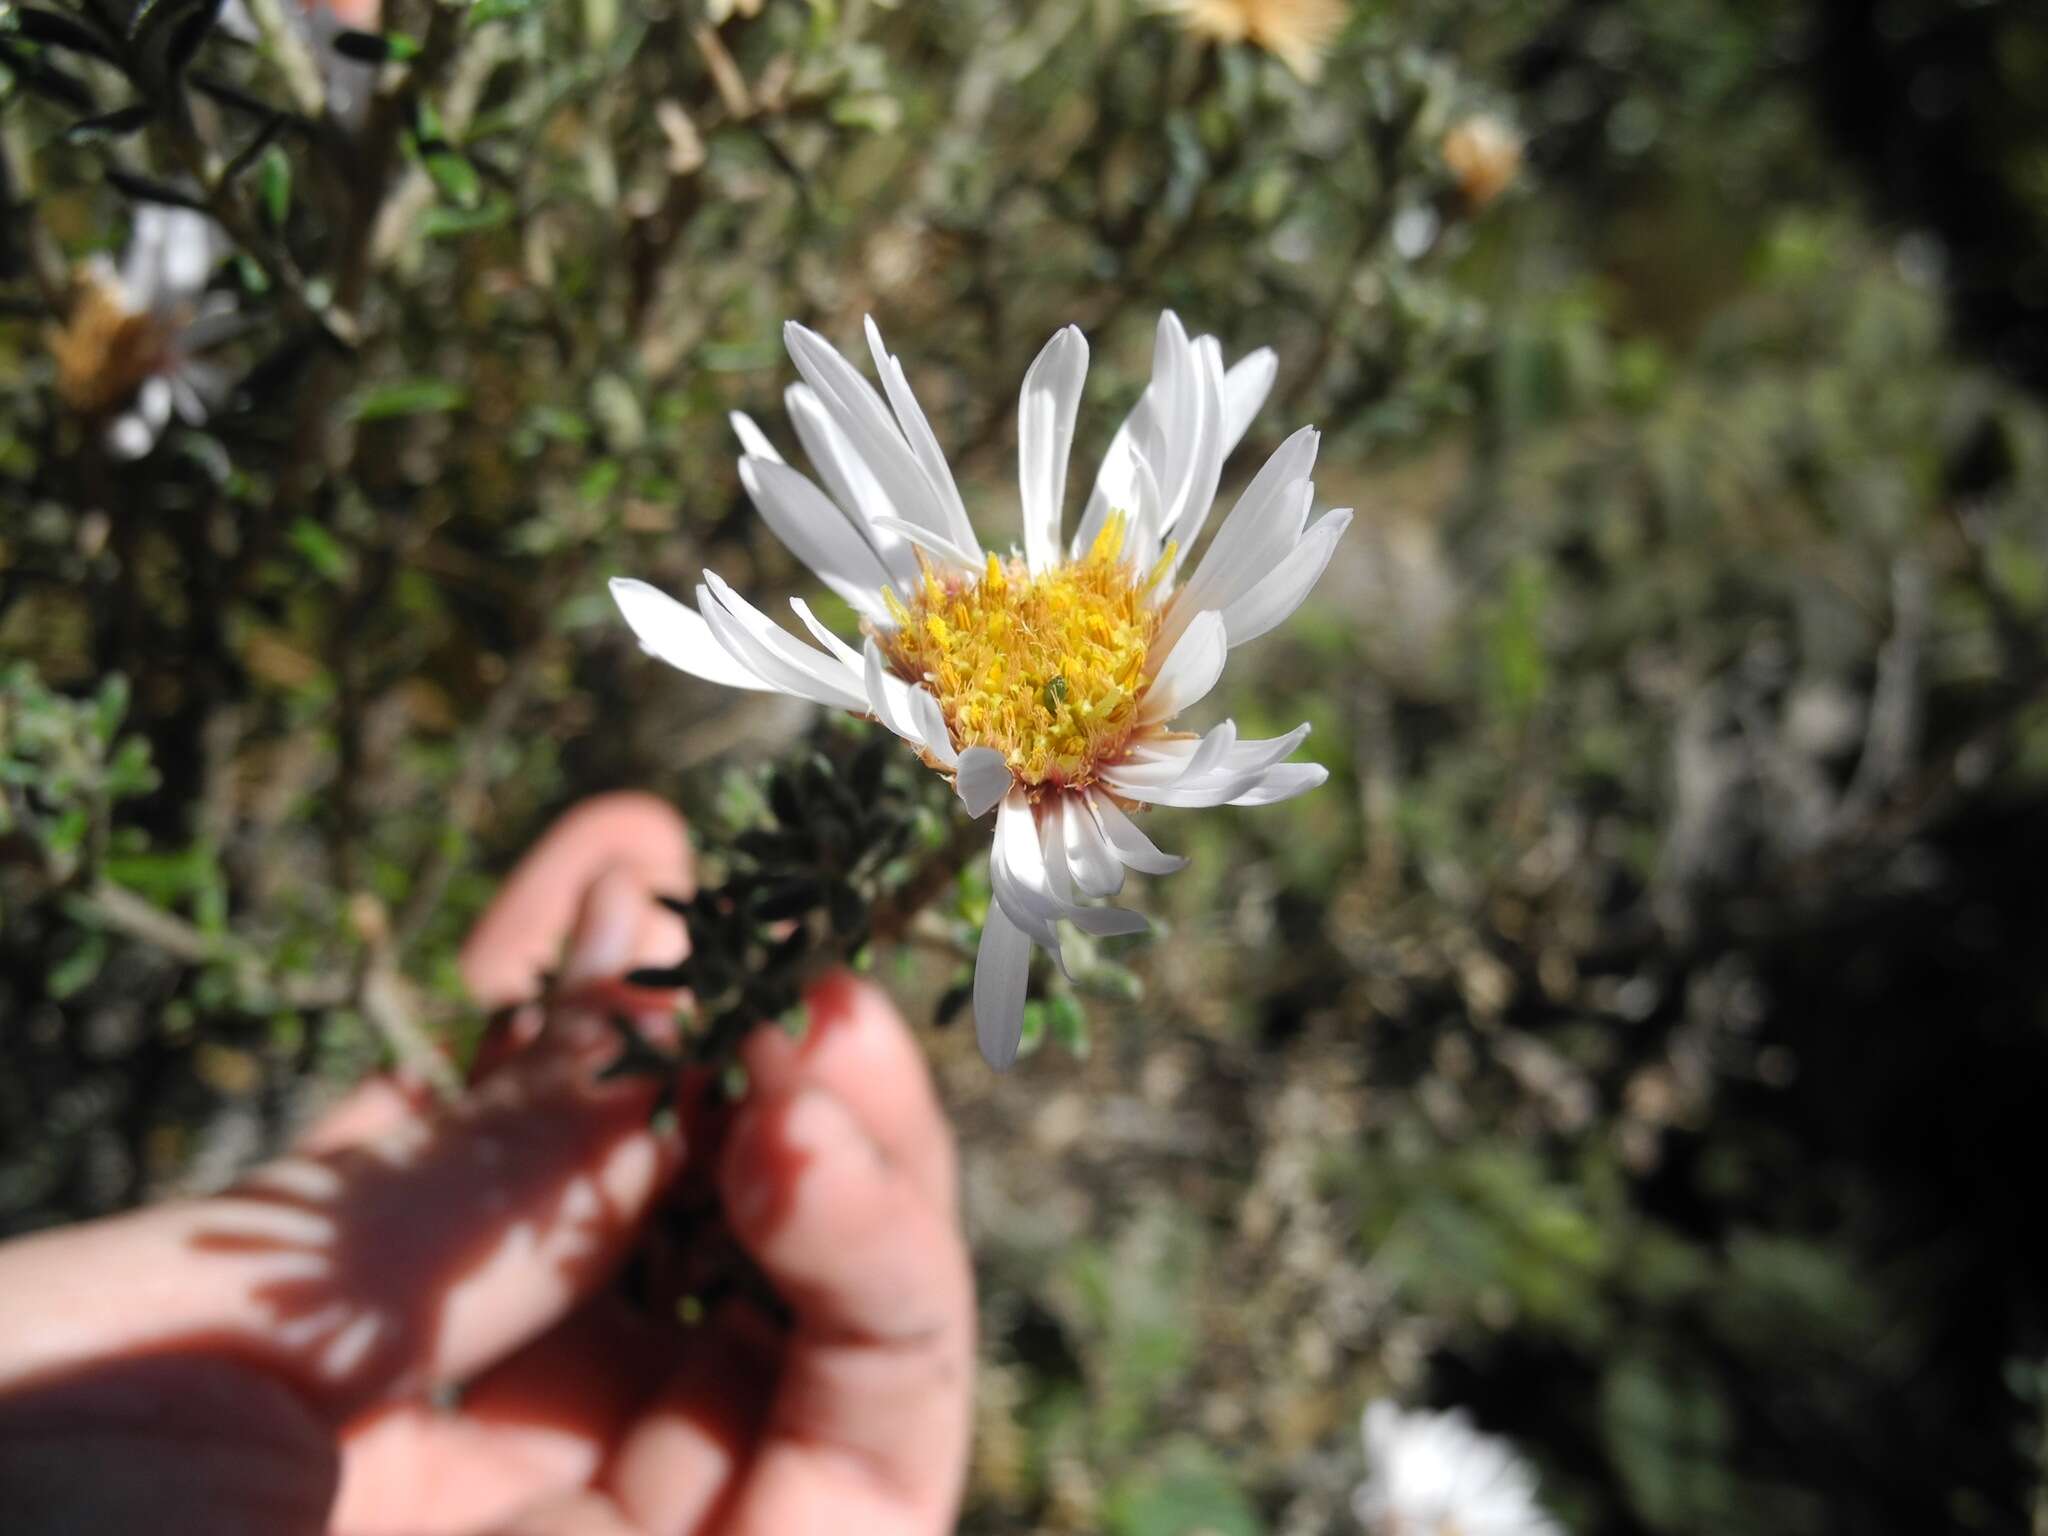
44	79
274	184
408	397
145	190
444	223
456	178
322	550
52	30
110	125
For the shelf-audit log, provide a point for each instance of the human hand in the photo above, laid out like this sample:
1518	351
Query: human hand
281	1358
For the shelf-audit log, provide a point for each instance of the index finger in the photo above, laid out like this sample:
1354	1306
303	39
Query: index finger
519	938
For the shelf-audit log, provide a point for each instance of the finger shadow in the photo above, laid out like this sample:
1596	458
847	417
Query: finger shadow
399	1266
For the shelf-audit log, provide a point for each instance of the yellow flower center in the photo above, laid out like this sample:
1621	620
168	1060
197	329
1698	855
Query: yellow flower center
1046	669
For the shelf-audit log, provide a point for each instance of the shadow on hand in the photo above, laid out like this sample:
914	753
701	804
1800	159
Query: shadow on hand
170	1444
415	1260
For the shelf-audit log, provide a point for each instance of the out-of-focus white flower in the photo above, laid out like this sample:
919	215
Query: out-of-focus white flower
1433	1474
129	353
1045	682
1296	32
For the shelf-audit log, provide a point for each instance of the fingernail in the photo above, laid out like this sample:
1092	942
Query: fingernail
606	928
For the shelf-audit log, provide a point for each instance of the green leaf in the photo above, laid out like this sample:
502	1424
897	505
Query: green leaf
1069	1024
167	879
599	481
321	549
1191	1492
1034	1028
274	184
129	771
111	705
66	835
75	972
456	178
486	11
408	397
443	222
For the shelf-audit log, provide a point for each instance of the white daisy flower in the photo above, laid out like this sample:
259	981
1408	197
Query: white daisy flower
129	352
1045	682
1433	1474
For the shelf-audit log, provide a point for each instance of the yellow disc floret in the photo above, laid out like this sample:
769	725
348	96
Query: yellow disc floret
1046	669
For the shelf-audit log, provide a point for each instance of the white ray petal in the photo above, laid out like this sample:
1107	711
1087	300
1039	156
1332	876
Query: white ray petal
753	441
1207	777
210	382
778	656
1113	489
1189	671
1002	974
1164	432
1131	846
1256	755
1104	921
1016	873
848	656
1217	772
1245	387
1283	783
871	429
1046	405
1259	549
934	544
1260	529
142	260
1213	750
1213	789
981	779
153	401
1167	762
171	253
129	436
917	431
846	475
1205	452
817	532
214	320
910	711
1148	514
931	726
1282	590
187	401
1092	861
669	631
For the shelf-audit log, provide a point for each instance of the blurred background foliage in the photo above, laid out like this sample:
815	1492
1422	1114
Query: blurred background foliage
1638	1042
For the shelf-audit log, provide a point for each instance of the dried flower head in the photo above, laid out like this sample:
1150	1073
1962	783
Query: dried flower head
1296	32
1483	155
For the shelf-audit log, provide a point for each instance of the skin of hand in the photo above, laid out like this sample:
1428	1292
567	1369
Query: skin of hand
409	1325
